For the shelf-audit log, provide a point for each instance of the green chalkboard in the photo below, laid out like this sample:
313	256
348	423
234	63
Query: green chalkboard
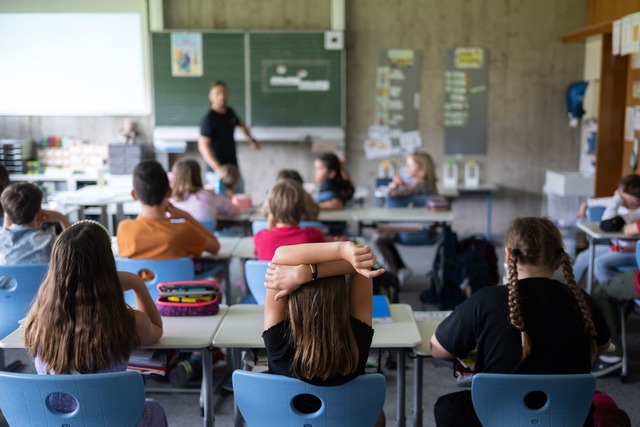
181	101
295	81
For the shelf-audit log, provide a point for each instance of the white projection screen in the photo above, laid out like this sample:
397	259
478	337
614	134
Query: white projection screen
73	64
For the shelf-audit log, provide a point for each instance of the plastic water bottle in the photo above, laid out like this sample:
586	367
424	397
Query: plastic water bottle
450	173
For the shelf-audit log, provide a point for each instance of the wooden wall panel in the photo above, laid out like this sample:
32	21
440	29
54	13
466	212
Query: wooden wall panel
610	139
607	10
628	146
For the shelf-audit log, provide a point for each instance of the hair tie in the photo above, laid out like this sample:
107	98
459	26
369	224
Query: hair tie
90	221
516	252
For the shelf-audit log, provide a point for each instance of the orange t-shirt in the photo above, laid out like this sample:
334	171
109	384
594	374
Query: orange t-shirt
150	238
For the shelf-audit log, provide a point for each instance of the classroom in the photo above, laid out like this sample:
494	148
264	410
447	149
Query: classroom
532	161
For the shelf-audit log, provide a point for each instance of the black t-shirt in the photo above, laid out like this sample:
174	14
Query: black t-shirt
280	351
335	189
219	128
552	321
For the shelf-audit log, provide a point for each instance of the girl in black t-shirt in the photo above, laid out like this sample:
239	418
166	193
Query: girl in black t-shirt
534	325
316	328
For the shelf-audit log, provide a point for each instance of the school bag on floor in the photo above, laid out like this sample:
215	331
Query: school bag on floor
461	268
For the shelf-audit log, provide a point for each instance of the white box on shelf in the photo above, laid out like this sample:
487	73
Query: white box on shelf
569	183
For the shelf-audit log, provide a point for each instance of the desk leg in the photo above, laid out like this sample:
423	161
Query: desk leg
207	388
489	203
104	219
237	363
417	391
592	254
401	374
227	280
119	214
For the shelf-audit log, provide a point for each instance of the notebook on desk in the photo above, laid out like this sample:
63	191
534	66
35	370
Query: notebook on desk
381	311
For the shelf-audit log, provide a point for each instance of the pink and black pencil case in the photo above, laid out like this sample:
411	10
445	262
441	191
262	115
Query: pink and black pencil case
188	298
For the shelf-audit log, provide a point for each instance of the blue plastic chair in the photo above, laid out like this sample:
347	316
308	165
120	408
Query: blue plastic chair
19	285
257	225
594	213
254	272
170	270
111	399
524	400
210	224
267	400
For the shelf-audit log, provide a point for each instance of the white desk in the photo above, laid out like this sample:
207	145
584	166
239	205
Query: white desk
421	214
243	327
598	237
95	195
428	322
188	332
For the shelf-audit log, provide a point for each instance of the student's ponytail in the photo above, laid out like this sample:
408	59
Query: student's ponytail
515	315
589	327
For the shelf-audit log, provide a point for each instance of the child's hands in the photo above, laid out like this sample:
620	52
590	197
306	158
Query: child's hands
395	181
361	258
582	211
286	278
176	213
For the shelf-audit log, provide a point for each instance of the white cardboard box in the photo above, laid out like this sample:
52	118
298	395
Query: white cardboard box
569	183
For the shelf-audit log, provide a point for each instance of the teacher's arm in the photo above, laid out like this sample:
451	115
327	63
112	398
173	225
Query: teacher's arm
252	141
204	147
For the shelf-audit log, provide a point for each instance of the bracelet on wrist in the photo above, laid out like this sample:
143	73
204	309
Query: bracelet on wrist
314	271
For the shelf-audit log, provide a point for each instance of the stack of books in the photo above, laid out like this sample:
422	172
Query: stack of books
148	362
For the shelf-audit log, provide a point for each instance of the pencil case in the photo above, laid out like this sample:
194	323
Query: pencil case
188	298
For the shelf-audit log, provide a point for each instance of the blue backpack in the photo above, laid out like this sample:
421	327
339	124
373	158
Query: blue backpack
461	268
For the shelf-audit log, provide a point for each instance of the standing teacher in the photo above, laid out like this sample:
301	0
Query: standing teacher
217	144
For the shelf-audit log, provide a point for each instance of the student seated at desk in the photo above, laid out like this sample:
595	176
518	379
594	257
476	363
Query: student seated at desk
286	203
153	234
421	170
311	210
23	240
79	322
533	325
626	204
335	187
306	288
188	193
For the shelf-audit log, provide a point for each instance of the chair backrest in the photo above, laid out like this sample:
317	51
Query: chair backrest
110	399
594	213
257	225
210	224
270	400
254	272
418	200
168	270
19	285
525	400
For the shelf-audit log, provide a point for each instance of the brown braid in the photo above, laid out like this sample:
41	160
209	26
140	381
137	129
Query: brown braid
514	303
589	327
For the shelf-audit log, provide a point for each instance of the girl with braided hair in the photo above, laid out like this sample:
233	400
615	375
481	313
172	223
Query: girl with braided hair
533	325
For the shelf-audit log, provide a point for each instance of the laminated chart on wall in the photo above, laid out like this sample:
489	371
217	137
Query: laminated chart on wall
465	105
397	91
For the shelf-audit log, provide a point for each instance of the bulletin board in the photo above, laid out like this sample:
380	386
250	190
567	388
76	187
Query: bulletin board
465	107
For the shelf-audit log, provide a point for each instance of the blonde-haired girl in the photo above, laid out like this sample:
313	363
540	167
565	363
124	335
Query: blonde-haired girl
316	328
79	322
534	325
421	170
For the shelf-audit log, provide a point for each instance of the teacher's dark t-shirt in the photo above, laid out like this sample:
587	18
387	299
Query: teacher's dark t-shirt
219	128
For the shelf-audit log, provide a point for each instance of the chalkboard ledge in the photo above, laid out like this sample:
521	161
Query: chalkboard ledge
175	135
